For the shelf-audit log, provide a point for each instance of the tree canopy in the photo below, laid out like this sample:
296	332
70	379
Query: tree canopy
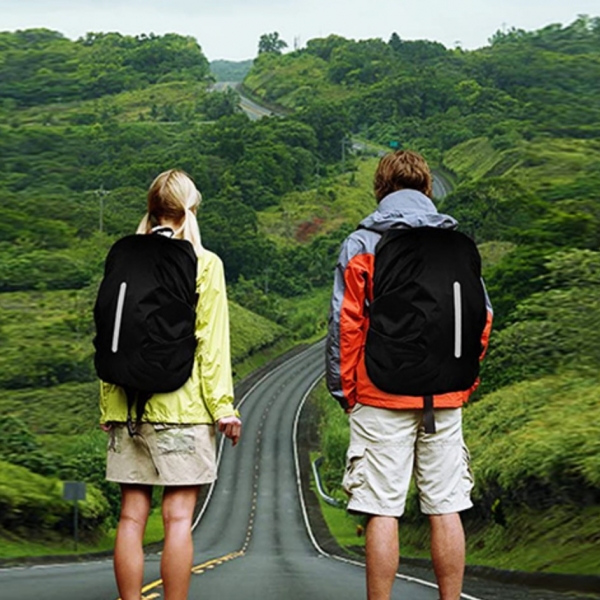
271	42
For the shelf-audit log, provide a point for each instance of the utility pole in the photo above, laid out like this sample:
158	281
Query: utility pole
101	193
345	141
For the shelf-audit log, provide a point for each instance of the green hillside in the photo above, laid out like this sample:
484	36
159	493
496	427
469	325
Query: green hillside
228	70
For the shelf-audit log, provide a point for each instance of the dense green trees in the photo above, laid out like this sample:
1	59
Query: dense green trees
331	125
495	209
42	66
552	327
433	98
61	184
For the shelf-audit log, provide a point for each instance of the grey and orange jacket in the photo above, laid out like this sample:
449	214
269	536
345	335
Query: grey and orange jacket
346	374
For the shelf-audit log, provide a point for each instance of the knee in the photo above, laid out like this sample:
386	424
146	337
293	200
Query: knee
445	519
132	520
176	518
178	508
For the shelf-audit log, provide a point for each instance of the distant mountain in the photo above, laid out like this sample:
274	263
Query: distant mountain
227	70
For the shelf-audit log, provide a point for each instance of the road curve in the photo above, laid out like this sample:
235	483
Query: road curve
253	110
252	541
441	186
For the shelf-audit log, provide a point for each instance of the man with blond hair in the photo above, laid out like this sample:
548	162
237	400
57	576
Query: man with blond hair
401	382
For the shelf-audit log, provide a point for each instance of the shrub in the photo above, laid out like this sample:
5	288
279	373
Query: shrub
30	502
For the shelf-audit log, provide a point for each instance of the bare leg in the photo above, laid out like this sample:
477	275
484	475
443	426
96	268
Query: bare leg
178	551
448	554
383	556
129	551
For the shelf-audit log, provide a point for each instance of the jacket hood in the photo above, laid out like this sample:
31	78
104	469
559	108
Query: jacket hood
407	208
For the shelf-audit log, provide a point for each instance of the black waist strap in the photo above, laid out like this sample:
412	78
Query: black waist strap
428	416
139	399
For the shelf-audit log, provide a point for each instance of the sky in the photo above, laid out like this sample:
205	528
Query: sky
230	29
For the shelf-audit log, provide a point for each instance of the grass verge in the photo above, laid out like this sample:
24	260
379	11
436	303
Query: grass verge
14	547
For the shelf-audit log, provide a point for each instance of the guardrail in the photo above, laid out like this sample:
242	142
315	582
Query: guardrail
326	497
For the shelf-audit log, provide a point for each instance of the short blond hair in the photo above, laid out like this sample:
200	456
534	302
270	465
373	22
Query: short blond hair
403	169
173	196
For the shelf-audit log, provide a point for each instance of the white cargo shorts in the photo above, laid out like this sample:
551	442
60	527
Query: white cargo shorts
387	446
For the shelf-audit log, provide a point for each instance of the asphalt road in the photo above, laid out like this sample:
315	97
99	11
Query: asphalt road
441	187
253	110
258	519
253	540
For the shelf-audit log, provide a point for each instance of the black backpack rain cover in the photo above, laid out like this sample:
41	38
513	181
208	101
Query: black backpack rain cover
428	312
145	314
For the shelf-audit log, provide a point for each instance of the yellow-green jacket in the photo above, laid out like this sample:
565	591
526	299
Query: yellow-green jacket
207	396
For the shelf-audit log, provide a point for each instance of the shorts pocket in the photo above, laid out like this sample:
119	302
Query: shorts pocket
175	440
468	471
114	439
354	475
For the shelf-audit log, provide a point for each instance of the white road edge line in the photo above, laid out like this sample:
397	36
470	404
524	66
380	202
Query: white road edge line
238	405
305	514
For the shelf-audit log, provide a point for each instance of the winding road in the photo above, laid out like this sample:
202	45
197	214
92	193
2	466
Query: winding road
252	109
253	540
258	521
441	185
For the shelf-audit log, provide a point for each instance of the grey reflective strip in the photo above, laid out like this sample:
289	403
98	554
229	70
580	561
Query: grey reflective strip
118	317
457	321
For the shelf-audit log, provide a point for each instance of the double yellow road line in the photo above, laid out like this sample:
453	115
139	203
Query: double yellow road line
196	570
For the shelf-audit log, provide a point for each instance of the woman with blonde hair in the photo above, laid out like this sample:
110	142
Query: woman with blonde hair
177	428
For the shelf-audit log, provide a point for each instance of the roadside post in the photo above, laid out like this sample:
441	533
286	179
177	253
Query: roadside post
73	491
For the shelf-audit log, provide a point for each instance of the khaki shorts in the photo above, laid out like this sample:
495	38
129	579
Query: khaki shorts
163	455
385	447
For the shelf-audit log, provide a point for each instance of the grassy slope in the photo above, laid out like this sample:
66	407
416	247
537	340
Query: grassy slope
276	78
44	320
538	164
32	489
126	106
78	414
347	198
33	320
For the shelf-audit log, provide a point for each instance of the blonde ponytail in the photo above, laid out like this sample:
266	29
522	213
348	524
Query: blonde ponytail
191	231
173	196
144	226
